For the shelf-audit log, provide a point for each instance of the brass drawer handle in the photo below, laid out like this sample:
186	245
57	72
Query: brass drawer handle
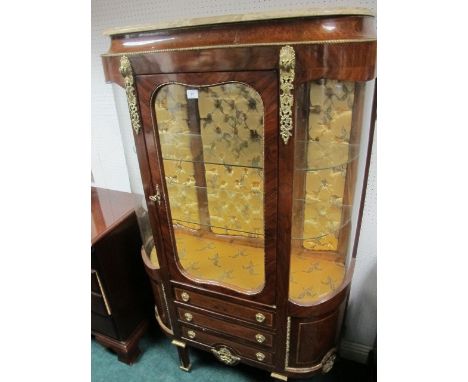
188	317
260	356
185	296
260	317
191	334
260	338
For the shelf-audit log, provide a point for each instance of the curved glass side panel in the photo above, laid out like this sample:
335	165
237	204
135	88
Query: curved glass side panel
133	168
331	138
211	141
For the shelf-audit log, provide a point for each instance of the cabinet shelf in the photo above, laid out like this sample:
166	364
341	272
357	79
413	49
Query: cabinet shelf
245	194
211	163
324	156
222	149
321	219
228	231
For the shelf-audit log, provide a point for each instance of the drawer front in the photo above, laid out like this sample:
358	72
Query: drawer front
98	305
103	325
258	337
94	282
256	316
213	341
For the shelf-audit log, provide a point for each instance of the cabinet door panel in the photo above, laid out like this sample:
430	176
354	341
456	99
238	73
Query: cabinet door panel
212	149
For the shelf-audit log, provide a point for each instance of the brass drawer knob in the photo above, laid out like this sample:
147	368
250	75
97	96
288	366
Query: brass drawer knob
185	296
260	356
188	317
191	334
260	317
260	338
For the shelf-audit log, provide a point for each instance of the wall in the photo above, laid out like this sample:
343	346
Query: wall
108	161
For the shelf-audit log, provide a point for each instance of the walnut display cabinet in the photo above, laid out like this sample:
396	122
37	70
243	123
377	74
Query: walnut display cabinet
247	140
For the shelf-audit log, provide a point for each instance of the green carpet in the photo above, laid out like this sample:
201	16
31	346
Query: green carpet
159	362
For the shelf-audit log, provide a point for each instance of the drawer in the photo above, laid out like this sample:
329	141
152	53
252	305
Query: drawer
103	325
216	342
256	316
98	305
94	282
258	337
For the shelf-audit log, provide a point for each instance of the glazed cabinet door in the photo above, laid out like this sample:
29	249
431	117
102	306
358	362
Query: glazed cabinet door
212	148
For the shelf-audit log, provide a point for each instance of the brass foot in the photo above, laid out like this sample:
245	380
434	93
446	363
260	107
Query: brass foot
187	369
279	377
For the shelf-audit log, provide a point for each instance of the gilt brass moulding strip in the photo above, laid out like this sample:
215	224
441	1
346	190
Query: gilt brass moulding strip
287	65
104	297
129	80
247	45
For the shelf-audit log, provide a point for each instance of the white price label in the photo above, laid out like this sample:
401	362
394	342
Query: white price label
192	94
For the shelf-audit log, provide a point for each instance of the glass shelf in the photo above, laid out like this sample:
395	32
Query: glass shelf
320	217
176	159
323	156
222	149
246	194
228	230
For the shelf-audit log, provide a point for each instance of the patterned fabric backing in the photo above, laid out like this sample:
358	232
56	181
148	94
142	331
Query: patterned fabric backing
174	135
241	267
232	133
331	104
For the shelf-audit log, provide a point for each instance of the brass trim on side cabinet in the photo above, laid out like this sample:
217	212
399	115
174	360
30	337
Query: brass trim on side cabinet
326	364
288	341
161	324
167	306
106	303
127	73
287	65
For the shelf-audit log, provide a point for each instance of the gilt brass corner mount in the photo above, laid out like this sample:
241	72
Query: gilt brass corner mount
127	73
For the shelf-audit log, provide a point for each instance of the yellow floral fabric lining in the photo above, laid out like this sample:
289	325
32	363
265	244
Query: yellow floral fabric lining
241	267
231	117
174	135
330	114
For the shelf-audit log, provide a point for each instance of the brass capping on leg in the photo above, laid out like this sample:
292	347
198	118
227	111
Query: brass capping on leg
280	377
178	343
187	369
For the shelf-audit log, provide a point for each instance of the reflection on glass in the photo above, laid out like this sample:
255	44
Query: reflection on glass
325	150
211	141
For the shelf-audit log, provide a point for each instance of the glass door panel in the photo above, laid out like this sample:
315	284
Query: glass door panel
328	139
211	141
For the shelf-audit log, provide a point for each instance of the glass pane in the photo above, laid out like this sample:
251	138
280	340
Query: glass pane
327	159
133	168
212	147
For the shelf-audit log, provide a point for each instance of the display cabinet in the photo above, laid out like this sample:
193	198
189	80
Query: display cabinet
247	140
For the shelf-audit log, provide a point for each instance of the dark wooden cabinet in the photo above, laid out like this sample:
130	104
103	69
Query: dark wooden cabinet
120	293
248	158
